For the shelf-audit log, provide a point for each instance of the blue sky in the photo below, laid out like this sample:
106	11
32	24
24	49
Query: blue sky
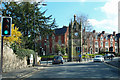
102	15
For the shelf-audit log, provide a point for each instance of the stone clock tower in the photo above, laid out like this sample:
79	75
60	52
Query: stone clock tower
75	38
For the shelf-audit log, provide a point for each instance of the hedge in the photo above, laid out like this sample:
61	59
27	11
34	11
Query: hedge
21	53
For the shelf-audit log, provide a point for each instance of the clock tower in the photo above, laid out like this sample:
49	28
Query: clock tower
75	39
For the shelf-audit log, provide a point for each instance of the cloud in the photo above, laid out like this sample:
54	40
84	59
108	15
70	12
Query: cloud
109	24
104	25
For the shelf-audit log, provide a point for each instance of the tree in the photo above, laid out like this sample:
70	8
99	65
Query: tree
86	26
15	36
58	48
85	23
63	50
30	21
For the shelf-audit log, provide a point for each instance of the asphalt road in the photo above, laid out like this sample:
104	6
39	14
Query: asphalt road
78	70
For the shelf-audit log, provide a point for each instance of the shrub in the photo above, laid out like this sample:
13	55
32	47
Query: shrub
21	53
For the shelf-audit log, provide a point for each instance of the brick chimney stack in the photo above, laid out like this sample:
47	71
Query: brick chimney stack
93	31
114	34
103	32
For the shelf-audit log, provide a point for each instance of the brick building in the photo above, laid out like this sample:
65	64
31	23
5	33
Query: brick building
92	42
59	36
101	42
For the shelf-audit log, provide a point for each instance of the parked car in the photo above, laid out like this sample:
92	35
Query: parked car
109	56
57	60
98	58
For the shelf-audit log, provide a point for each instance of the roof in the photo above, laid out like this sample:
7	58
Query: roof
118	35
61	31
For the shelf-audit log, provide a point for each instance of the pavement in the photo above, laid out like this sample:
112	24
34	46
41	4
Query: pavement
115	62
22	72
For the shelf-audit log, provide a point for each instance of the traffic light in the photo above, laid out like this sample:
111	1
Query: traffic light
6	26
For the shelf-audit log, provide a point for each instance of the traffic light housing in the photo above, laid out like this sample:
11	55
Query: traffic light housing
6	26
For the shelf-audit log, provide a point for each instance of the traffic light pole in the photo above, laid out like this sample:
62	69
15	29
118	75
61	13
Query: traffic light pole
1	55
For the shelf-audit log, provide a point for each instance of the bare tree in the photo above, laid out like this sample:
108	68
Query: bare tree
85	23
86	26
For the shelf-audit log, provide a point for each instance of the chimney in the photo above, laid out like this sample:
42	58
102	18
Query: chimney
114	33
103	32
74	17
93	31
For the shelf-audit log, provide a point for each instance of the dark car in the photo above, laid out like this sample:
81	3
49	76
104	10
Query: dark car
57	60
109	56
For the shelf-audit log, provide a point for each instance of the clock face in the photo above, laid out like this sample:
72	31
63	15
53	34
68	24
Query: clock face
76	33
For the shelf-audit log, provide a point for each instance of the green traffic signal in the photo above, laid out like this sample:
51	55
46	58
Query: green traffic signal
5	32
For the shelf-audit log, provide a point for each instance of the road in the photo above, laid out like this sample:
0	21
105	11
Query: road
78	70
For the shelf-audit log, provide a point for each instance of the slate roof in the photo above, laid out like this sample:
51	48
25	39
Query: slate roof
118	35
61	31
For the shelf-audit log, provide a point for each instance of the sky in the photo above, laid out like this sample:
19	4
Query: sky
102	14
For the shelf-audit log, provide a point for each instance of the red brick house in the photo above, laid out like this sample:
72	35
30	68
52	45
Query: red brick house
98	42
59	36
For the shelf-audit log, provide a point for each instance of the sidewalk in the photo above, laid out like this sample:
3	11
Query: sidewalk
114	63
21	72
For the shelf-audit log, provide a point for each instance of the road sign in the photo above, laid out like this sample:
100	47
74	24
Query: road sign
79	55
6	26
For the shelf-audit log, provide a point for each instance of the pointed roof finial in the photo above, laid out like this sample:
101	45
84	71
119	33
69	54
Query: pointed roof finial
74	17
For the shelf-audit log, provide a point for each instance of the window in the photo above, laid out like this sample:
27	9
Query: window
96	49
111	39
101	44
116	39
96	37
111	44
106	38
106	49
96	43
106	43
101	38
59	42
116	50
116	44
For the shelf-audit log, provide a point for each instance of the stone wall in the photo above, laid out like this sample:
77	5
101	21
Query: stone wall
11	61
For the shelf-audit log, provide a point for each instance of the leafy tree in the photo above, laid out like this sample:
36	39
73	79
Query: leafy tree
58	48
30	21
63	50
15	36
